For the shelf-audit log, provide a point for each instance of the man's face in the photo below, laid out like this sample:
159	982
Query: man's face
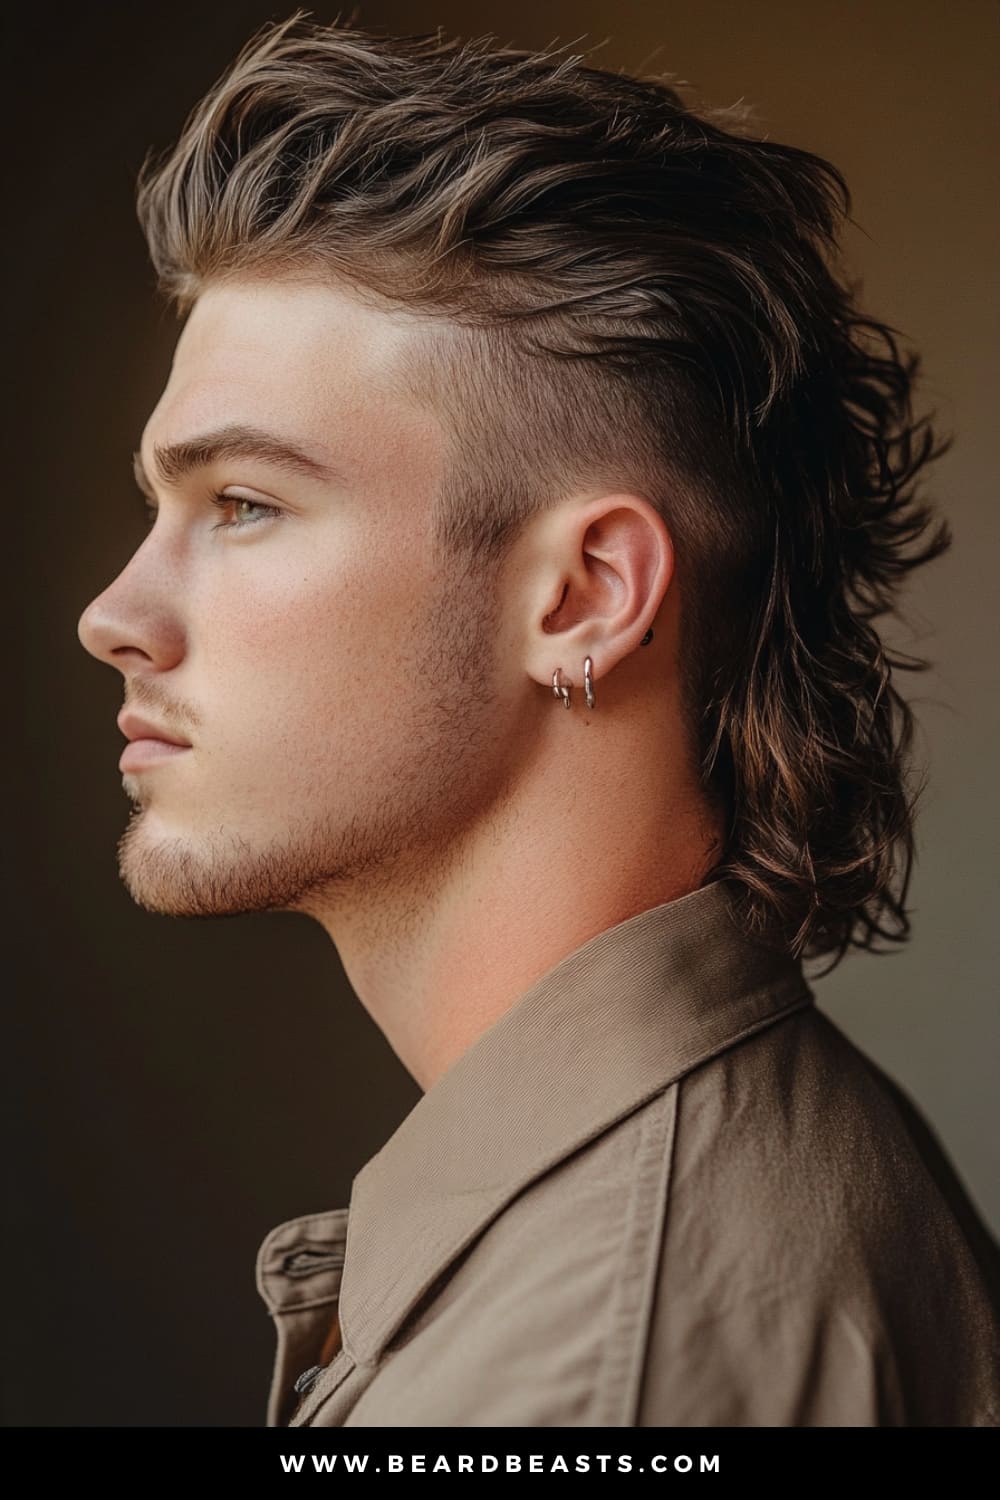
333	675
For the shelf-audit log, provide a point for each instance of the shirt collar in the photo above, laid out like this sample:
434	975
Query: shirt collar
613	1023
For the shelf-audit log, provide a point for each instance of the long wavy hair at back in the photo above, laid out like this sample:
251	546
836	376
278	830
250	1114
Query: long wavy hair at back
611	287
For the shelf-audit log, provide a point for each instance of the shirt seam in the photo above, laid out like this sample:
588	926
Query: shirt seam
619	1382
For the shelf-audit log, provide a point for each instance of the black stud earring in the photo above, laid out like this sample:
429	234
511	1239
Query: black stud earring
647	637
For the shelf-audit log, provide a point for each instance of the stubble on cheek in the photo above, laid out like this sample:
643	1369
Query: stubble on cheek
407	807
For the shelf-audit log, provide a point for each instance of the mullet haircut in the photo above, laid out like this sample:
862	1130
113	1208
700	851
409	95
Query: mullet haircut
607	288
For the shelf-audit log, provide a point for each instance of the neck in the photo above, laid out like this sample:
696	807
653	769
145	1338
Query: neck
437	955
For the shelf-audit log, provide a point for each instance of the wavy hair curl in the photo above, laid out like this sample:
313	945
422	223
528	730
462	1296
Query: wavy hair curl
611	287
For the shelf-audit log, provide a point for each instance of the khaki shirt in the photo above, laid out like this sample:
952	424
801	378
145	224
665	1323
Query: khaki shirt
663	1189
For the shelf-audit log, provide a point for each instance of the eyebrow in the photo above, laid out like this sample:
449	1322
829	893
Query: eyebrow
173	461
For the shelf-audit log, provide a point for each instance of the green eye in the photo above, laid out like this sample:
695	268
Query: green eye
224	502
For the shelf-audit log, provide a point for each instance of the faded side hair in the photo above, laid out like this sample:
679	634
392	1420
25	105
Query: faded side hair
608	286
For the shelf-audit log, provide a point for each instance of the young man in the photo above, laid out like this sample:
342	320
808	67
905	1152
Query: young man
525	487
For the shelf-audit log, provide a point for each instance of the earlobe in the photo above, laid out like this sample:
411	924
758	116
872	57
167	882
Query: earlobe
561	687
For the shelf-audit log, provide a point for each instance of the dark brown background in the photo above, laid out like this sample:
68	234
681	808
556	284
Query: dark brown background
177	1088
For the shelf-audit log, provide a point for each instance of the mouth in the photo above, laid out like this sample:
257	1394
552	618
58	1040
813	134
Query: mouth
140	754
133	727
149	744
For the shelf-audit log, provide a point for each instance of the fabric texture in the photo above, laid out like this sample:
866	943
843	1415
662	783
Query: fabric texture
663	1189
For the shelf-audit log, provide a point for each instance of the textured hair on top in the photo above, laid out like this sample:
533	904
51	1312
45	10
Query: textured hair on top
608	287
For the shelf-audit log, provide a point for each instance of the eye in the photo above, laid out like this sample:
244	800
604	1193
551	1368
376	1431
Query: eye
241	503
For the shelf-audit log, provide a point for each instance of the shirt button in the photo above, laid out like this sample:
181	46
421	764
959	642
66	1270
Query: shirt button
308	1379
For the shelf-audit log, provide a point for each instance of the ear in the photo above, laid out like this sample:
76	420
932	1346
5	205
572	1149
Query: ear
598	570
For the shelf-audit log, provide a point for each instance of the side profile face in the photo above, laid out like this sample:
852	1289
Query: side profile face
336	680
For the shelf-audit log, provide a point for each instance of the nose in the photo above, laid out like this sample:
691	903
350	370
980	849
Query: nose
97	629
133	622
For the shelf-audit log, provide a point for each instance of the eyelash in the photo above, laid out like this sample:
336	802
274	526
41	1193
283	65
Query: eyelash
222	501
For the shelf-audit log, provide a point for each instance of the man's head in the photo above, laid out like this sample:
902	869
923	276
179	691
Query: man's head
331	673
524	312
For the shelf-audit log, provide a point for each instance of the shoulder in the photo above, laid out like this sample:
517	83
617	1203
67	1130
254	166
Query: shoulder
820	1261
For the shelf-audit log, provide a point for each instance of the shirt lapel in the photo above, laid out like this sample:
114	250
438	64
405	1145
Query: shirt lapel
616	1021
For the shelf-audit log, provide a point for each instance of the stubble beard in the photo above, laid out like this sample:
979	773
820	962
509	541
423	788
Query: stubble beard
413	825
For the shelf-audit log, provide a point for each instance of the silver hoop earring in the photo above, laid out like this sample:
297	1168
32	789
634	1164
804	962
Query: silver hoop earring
588	681
559	688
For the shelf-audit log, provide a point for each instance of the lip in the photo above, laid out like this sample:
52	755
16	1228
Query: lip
144	752
148	743
135	728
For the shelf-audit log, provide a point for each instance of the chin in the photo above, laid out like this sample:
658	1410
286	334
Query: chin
151	880
219	875
163	874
